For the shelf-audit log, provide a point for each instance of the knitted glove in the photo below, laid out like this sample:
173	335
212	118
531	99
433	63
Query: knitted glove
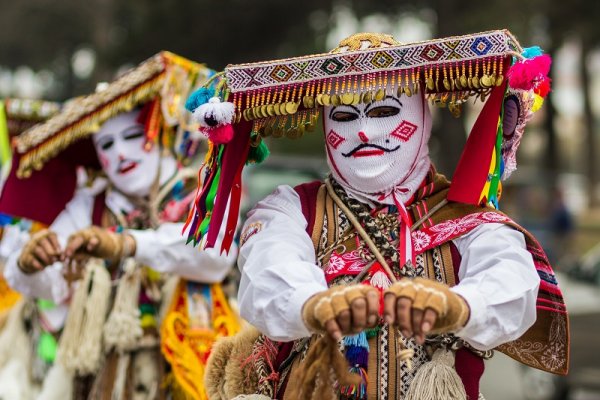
452	310
41	250
97	242
329	304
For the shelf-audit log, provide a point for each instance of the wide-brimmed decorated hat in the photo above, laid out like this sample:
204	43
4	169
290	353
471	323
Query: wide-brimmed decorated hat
46	156
283	98
160	84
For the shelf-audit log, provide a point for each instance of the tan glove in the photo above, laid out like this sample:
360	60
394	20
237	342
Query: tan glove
41	250
424	296
342	310
102	243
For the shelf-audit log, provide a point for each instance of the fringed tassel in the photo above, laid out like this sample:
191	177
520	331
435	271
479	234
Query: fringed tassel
80	346
122	329
357	349
437	380
15	356
357	355
58	384
356	391
313	377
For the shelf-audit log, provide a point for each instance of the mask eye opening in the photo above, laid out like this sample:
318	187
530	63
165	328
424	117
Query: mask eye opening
344	116
383	112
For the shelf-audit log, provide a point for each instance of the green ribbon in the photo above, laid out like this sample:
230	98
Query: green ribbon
5	150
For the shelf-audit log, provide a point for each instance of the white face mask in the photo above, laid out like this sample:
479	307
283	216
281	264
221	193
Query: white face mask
373	149
120	148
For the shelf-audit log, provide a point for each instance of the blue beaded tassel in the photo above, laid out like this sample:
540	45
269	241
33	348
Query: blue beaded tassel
357	354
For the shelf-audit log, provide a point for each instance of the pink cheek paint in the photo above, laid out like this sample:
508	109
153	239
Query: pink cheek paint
404	130
334	140
104	161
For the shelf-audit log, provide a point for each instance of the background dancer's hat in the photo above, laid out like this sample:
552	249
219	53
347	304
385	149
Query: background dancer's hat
248	102
160	84
49	154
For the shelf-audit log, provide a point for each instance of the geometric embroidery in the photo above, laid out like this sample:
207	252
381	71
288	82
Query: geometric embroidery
432	52
481	46
243	77
332	66
382	59
282	73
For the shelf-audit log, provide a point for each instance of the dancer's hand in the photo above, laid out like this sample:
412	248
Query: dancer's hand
423	306
342	310
98	242
41	251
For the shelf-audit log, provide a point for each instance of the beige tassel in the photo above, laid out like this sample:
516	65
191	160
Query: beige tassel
437	380
15	356
14	382
58	384
251	397
13	338
80	346
121	377
122	330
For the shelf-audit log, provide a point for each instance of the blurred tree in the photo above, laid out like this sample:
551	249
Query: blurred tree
579	19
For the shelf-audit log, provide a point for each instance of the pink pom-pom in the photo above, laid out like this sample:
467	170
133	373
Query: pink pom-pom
220	134
525	74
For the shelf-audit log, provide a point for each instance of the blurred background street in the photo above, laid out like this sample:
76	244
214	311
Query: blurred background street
59	50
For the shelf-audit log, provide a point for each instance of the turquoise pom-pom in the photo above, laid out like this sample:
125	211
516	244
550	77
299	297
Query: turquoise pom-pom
199	97
530	52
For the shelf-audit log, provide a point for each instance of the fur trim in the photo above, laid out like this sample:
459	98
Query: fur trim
225	377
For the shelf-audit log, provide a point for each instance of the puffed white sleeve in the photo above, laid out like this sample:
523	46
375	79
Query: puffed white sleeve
499	281
49	283
278	266
164	250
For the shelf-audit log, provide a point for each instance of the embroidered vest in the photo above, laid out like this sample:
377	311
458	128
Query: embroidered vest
342	255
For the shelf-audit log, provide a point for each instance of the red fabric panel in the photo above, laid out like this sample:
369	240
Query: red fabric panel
308	199
473	167
43	195
470	368
455	260
98	210
285	349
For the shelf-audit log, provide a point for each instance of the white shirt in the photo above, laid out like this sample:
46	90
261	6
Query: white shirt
279	273
162	249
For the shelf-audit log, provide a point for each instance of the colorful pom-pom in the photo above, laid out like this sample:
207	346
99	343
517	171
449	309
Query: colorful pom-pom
543	87
199	97
214	113
220	134
258	154
531	52
527	73
538	101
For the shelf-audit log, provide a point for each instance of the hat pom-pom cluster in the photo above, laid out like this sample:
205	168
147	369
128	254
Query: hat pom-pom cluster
531	74
214	116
